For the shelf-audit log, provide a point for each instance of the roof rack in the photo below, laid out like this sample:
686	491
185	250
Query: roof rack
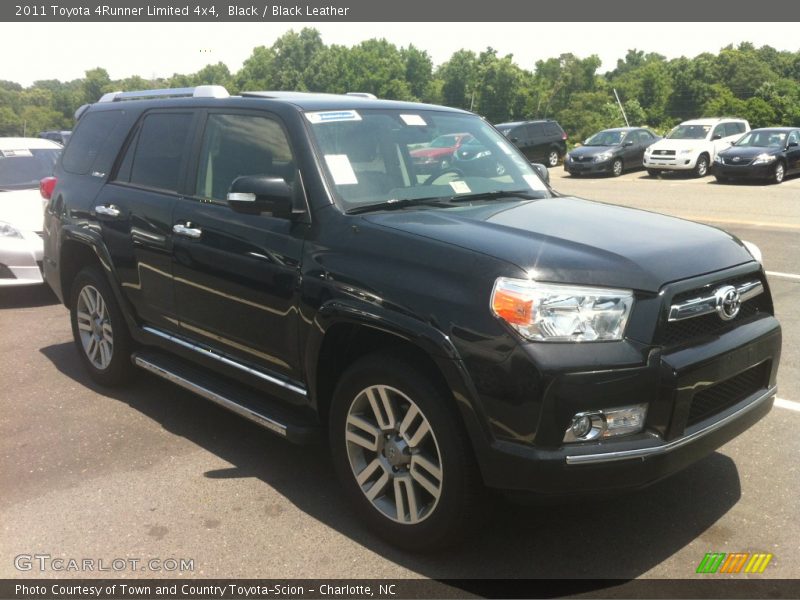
201	91
363	95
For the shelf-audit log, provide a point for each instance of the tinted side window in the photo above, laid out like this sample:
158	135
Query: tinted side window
236	145
535	131
734	128
156	157
793	137
552	129
91	136
719	130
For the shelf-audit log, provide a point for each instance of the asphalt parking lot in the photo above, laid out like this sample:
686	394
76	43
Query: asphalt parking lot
152	471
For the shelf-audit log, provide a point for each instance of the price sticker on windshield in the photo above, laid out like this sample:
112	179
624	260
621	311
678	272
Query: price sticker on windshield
460	187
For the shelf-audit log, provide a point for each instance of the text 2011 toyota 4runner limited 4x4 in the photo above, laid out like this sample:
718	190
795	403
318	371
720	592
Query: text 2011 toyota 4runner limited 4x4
278	253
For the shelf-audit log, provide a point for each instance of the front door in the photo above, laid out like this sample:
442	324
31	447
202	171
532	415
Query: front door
236	275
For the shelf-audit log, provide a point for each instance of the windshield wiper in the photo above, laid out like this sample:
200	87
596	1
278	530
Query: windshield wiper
396	203
497	195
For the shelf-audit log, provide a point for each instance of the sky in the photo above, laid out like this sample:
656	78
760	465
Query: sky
154	50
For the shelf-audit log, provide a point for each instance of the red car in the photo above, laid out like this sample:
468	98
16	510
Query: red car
439	154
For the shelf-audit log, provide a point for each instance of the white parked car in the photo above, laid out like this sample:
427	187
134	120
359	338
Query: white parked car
24	162
693	145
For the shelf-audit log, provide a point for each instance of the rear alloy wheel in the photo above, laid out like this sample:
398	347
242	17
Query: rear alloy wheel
701	168
778	173
99	329
552	158
402	455
616	167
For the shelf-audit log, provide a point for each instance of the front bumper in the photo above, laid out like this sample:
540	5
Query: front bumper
682	162
21	260
588	167
671	441
743	172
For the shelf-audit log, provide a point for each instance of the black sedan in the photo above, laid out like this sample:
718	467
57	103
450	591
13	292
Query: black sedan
769	154
610	151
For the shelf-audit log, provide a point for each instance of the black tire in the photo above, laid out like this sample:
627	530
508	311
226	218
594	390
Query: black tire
721	179
701	167
457	510
616	167
552	158
653	172
119	368
778	173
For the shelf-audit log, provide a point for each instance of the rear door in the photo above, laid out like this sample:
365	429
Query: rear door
537	144
134	211
236	275
793	152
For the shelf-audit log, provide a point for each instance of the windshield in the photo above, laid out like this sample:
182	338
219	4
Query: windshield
763	139
606	138
370	157
23	168
689	132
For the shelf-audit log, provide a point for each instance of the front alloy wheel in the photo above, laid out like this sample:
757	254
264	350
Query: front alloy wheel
778	173
701	168
616	167
402	454
393	454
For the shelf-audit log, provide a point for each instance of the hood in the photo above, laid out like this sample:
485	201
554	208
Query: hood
431	152
749	152
24	209
569	240
665	144
592	150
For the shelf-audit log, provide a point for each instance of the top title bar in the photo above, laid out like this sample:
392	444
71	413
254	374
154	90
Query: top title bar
386	10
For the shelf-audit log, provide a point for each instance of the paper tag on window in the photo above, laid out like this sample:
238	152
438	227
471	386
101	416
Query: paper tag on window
460	187
533	181
414	120
332	116
341	169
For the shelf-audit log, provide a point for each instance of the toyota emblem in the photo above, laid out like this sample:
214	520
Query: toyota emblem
728	302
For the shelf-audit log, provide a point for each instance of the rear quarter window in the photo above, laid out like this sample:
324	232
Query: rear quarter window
552	129
92	145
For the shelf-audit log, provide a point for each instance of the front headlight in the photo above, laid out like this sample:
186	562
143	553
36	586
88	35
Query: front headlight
718	159
547	312
763	159
9	231
687	151
603	156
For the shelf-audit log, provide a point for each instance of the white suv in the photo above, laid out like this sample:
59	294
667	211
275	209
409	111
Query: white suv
693	145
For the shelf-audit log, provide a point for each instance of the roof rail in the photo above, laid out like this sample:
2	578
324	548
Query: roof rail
201	91
362	95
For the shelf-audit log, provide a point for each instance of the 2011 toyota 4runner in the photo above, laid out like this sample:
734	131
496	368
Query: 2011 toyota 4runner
279	254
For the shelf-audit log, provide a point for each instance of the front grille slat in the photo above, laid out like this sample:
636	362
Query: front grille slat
725	394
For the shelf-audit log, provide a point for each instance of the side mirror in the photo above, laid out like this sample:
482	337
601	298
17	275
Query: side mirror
791	145
256	194
542	171
716	136
514	139
628	143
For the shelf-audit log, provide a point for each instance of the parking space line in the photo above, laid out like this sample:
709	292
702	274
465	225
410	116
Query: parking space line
783	275
787	404
713	219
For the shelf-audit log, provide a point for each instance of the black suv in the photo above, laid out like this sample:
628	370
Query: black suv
541	141
279	254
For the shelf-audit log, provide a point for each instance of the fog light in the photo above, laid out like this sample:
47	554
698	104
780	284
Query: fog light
611	422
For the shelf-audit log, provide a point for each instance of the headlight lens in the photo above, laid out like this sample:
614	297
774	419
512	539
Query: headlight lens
9	231
548	312
718	159
602	157
763	159
687	151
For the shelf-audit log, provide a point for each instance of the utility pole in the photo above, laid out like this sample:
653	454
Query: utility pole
624	116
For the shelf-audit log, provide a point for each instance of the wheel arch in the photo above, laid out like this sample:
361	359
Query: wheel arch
342	334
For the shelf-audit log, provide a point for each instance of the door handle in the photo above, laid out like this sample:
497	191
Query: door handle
108	211
186	230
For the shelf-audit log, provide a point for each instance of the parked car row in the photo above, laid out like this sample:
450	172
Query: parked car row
724	147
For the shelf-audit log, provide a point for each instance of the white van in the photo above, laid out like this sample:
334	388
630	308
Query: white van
693	145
